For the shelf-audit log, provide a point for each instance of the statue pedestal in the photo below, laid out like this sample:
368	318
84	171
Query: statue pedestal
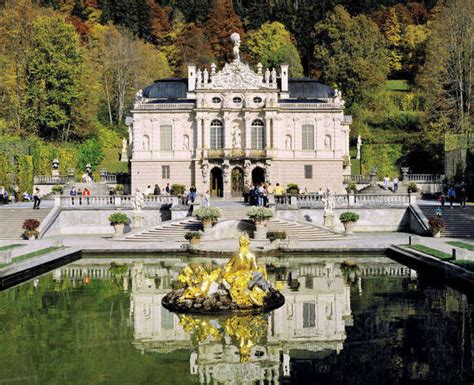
260	232
137	220
55	174
329	220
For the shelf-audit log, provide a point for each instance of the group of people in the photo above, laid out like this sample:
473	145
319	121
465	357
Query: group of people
157	190
14	196
258	193
79	195
386	183
451	196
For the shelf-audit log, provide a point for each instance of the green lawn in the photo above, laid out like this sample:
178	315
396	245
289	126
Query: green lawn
8	247
435	253
463	245
466	264
397	85
33	254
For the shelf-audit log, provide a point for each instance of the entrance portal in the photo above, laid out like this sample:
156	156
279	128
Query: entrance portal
217	183
258	175
237	176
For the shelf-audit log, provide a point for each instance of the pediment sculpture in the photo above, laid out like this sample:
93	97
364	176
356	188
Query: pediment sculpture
236	75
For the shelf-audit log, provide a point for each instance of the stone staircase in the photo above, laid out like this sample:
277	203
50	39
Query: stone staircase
175	230
459	222
11	220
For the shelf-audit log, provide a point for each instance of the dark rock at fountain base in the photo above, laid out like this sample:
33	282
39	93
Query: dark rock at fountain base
219	303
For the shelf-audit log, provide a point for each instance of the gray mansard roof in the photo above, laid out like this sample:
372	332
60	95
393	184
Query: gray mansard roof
299	89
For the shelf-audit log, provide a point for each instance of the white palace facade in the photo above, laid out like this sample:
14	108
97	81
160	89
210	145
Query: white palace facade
221	130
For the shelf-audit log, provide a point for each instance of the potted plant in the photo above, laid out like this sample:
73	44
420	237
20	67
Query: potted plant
292	189
118	221
208	215
348	218
259	215
119	188
193	236
276	235
30	226
57	189
437	226
412	187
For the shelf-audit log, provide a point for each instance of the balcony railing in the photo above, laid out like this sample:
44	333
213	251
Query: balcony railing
345	200
115	201
362	179
424	178
49	179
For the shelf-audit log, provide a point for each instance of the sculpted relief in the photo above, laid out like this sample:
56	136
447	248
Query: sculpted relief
236	76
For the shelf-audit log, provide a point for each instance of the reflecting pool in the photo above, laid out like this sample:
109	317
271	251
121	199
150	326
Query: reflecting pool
346	320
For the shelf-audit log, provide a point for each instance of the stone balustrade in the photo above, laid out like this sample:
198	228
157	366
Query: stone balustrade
361	179
163	106
115	201
49	179
346	200
423	178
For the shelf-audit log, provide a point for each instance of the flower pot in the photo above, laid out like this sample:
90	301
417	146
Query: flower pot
31	237
436	234
207	224
118	228
348	227
194	241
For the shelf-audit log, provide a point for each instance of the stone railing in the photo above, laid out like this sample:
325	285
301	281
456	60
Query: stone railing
346	200
108	178
298	106
49	179
115	201
163	106
362	179
423	178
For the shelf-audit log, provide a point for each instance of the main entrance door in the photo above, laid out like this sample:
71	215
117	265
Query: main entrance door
258	175
217	183
237	176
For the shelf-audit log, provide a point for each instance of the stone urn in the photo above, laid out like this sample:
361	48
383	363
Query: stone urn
194	241
119	229
207	224
260	230
436	234
349	227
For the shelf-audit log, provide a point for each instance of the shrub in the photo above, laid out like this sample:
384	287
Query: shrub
259	214
119	187
348	216
177	189
351	187
437	224
292	188
274	235
57	189
412	187
118	218
208	213
30	224
193	235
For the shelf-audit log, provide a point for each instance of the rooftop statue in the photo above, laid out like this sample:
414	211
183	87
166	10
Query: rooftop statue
235	38
238	286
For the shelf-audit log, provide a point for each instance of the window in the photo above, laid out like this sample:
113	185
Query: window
257	135
307	137
217	135
309	315
165	172
237	100
167	322
216	100
308	171
257	99
165	138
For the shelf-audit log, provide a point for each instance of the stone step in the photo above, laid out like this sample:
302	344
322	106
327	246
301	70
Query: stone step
459	222
11	220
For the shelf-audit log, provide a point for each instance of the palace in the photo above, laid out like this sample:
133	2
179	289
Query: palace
221	130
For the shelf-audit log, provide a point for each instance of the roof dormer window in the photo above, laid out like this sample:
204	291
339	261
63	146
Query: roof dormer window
257	100
216	100
237	100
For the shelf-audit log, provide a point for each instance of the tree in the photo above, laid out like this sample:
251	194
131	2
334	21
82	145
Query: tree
350	54
273	45
53	86
446	77
223	21
391	31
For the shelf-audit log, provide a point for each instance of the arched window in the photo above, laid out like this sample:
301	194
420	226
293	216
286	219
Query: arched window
217	135
258	135
146	143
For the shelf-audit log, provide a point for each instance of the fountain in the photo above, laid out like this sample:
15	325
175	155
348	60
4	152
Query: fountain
238	286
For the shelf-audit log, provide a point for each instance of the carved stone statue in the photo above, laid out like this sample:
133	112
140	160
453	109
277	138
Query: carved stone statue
205	172
139	96
267	76
213	69
236	137
185	142
226	171
124	155
329	202
138	201
327	142
198	78
274	76
259	68
206	77
235	38
359	145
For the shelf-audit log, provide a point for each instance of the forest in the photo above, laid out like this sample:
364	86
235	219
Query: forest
69	70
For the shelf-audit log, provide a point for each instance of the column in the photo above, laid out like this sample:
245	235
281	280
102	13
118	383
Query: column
268	124
227	133
248	142
206	134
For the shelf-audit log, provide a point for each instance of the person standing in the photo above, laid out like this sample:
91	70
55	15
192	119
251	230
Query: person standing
395	184
148	190
463	197
168	189
442	199
451	196
206	200
72	194
157	190
261	195
386	182
37	198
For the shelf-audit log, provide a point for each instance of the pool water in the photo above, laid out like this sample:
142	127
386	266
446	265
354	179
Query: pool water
346	320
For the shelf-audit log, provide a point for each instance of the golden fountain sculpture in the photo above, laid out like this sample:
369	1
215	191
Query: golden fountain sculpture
238	286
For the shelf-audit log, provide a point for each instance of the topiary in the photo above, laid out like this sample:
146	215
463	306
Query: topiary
211	214
118	218
259	214
412	187
57	189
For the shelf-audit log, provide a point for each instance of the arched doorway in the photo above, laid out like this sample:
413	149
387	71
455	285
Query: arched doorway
237	177
258	175
217	183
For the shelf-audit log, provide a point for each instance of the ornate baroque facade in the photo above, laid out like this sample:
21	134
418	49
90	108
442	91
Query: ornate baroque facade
223	130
